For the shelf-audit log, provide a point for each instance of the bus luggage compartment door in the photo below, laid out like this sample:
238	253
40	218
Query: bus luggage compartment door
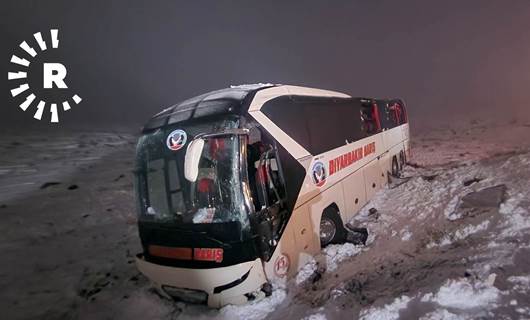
354	194
374	176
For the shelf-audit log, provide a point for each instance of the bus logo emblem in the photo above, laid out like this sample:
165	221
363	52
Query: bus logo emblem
176	140
318	174
281	265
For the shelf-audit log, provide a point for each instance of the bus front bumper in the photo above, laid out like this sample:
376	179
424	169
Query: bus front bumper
216	287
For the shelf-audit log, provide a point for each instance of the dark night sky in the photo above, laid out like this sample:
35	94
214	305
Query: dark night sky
130	59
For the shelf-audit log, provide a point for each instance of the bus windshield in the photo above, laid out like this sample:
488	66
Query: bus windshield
216	196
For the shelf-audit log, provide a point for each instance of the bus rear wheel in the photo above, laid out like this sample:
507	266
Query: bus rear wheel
331	228
402	160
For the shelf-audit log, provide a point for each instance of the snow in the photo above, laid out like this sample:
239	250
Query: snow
463	294
521	284
316	316
306	272
517	223
460	234
441	314
387	312
335	254
256	310
415	212
330	258
406	235
142	304
450	211
250	86
525	311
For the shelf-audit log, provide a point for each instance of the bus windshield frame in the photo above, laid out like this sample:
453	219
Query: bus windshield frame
218	195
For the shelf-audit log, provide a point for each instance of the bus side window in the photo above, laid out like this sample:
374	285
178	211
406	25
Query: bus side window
404	118
397	114
369	119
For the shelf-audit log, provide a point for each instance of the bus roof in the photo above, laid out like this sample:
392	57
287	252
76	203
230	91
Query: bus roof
233	100
228	100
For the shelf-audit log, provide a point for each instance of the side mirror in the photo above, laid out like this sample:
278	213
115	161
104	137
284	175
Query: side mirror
191	160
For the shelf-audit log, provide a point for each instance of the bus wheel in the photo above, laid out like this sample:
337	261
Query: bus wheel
331	228
402	160
395	167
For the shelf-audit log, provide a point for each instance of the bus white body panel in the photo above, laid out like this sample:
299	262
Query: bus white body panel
356	171
207	279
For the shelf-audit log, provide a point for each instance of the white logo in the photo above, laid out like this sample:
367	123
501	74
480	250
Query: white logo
53	74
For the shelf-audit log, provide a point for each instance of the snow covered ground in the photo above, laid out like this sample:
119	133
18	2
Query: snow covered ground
428	256
68	253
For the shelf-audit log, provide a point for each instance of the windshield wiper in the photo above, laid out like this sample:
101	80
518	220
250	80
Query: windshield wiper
223	244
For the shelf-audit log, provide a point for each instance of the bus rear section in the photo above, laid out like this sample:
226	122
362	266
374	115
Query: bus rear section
239	188
347	148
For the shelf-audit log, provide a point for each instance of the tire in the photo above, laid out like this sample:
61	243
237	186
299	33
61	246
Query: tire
395	167
331	228
402	160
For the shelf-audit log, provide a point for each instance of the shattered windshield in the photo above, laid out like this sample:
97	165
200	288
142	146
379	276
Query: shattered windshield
216	196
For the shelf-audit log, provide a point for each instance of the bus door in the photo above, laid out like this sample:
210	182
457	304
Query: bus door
271	215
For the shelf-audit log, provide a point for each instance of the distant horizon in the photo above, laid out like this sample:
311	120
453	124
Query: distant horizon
130	60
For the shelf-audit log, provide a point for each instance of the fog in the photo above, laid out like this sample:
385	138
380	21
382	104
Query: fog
130	59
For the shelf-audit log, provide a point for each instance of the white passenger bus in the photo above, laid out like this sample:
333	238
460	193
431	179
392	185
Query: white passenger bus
240	187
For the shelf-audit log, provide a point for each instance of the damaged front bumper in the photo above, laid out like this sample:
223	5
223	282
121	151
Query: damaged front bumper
215	287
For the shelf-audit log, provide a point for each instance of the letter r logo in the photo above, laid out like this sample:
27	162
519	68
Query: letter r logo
54	73
53	77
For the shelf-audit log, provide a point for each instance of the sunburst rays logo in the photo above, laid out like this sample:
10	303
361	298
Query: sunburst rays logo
53	75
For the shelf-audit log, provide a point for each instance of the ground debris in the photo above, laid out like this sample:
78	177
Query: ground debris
477	202
415	165
395	182
373	213
119	177
357	236
429	178
471	181
491	197
49	184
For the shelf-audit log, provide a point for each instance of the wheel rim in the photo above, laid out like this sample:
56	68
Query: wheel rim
327	230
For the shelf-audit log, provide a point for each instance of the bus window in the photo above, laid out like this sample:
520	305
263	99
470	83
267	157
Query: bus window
289	115
384	115
397	113
157	189
369	119
331	124
317	124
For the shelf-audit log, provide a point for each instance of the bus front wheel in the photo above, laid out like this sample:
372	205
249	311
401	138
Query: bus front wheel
331	228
